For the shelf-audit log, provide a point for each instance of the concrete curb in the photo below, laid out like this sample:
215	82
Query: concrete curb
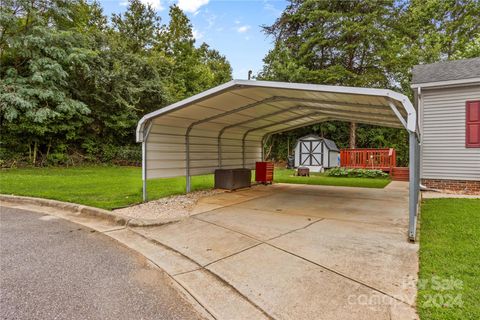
86	211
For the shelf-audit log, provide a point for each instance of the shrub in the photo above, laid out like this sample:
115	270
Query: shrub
357	173
122	155
57	158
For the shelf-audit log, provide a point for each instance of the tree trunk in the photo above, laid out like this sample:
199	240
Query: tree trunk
34	152
353	135
288	146
268	153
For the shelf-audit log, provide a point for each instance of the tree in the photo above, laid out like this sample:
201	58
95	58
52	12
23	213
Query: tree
138	27
337	42
432	31
369	43
217	64
74	86
471	50
193	69
177	39
35	101
123	81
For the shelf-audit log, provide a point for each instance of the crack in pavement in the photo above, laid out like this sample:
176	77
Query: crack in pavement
298	256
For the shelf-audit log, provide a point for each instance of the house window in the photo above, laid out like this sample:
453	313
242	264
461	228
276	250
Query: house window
472	134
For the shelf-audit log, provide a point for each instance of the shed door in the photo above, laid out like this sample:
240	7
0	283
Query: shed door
311	153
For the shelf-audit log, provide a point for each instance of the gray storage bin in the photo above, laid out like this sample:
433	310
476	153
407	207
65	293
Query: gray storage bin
232	179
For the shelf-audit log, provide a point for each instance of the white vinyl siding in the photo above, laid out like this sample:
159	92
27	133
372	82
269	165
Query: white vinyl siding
334	159
442	120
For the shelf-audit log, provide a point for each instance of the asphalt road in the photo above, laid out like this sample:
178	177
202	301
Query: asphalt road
55	269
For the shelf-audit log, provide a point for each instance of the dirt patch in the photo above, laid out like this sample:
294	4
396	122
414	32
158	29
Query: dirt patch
178	206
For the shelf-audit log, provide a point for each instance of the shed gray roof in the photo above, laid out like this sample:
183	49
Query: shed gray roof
331	145
446	71
311	135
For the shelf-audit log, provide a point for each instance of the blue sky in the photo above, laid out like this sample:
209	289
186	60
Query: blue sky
230	26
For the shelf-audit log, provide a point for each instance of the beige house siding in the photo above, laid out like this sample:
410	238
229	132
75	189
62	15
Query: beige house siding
442	124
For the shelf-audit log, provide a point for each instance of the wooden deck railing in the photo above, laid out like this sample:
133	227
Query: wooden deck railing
379	159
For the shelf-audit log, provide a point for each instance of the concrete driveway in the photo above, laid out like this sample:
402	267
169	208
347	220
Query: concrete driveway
295	252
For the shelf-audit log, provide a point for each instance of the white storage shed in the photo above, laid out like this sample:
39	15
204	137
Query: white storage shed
316	153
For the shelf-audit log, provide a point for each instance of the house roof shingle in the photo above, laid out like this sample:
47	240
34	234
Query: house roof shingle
446	71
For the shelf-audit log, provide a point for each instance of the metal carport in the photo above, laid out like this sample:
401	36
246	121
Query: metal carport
226	126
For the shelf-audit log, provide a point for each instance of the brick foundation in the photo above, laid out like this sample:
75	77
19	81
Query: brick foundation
462	186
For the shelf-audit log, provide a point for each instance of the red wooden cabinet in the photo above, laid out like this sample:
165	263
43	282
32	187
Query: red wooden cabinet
264	172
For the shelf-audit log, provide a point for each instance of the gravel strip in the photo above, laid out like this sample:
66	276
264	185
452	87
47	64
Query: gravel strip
437	195
178	206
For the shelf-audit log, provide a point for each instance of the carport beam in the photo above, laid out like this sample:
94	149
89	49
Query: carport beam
397	113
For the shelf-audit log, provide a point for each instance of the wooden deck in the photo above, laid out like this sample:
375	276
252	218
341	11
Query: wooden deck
400	174
375	159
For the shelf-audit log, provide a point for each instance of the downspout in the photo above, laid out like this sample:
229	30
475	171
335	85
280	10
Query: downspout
419	101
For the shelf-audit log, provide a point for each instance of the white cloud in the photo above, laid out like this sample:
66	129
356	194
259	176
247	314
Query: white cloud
267	6
155	4
197	34
243	29
210	18
191	6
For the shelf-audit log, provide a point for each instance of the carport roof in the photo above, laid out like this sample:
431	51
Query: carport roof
226	126
262	107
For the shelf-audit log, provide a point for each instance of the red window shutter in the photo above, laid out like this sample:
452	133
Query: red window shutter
472	135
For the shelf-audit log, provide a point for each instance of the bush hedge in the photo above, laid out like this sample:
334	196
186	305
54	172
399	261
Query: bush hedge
359	173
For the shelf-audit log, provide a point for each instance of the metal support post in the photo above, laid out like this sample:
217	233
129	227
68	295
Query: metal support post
146	132
187	162
417	181
413	185
262	146
219	142
144	170
243	151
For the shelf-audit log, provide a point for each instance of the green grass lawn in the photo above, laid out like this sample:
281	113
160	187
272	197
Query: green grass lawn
287	176
450	255
113	187
102	187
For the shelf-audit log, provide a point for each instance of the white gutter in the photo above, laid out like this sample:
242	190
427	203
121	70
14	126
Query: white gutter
447	83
